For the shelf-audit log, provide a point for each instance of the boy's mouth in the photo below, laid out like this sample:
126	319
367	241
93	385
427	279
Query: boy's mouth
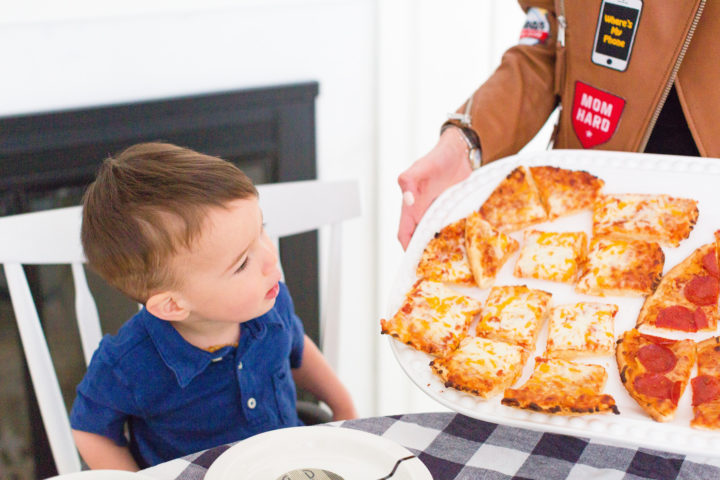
273	292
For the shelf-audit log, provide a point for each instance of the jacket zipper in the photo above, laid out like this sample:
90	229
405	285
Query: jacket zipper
562	24
673	74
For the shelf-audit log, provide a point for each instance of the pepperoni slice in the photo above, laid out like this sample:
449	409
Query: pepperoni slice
702	290
676	317
710	262
705	388
700	319
657	358
654	385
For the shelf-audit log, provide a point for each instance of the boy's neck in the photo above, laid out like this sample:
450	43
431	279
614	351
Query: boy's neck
206	335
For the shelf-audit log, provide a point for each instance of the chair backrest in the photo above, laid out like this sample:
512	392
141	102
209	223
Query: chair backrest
53	237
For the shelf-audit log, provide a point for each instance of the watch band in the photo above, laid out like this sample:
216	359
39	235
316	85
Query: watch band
468	134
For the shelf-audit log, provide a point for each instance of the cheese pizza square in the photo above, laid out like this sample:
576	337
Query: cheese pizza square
564	192
581	329
433	318
445	257
487	249
563	387
621	267
515	203
480	366
656	218
514	314
551	255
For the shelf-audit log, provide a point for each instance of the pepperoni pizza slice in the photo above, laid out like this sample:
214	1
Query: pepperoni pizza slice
706	386
433	318
515	203
655	371
564	192
563	387
655	218
687	297
445	257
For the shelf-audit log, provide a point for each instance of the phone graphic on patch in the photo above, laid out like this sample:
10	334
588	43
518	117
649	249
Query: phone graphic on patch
615	33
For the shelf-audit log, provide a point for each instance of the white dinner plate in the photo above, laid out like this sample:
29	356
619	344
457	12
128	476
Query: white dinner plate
351	454
697	178
102	475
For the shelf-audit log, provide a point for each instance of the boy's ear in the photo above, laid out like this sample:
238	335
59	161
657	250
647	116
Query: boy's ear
168	306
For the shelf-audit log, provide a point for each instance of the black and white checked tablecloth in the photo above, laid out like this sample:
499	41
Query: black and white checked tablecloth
455	447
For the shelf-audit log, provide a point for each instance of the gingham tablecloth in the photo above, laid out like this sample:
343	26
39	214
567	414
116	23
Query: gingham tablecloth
455	447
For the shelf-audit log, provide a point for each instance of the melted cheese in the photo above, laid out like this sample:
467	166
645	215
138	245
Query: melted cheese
513	314
551	256
662	218
582	328
433	318
628	267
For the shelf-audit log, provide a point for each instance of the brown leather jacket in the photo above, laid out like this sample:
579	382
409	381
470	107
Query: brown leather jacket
676	40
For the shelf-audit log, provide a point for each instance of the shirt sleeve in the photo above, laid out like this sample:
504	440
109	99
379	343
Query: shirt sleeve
104	401
294	326
511	106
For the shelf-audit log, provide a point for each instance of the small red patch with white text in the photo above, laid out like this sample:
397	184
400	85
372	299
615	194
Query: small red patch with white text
595	114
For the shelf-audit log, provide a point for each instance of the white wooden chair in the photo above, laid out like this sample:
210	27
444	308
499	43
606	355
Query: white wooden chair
53	237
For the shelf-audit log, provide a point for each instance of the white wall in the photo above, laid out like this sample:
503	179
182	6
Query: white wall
389	71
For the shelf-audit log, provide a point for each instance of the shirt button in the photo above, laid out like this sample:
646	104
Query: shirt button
251	402
240	366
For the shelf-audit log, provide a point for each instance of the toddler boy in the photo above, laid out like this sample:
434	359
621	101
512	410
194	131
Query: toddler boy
214	354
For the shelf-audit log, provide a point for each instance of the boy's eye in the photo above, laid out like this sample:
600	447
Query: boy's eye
242	265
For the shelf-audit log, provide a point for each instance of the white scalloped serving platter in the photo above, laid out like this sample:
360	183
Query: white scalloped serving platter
697	178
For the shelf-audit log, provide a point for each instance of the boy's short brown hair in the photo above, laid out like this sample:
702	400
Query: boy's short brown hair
145	204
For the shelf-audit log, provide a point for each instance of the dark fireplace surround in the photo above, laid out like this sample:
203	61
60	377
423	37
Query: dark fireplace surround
47	159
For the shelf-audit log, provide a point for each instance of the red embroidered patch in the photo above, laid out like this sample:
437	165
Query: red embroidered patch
595	114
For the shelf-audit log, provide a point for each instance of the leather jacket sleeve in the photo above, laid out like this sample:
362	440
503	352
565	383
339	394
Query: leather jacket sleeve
514	103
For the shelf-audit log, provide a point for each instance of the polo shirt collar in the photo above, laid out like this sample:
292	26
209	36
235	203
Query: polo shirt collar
188	361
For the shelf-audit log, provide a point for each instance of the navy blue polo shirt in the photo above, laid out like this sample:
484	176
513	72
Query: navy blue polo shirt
177	399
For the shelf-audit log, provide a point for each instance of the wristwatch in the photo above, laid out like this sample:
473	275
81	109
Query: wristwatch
472	141
462	122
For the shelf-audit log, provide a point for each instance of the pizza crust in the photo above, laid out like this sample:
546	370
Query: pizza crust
562	387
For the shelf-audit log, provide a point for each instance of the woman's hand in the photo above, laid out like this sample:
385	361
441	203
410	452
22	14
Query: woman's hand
445	165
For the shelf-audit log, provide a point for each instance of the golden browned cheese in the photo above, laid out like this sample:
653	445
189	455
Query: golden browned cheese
515	203
630	368
562	387
487	249
433	318
670	291
581	329
514	314
564	192
480	366
659	218
621	267
445	257
555	256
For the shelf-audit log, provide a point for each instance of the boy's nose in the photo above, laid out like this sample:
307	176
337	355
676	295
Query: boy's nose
270	257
